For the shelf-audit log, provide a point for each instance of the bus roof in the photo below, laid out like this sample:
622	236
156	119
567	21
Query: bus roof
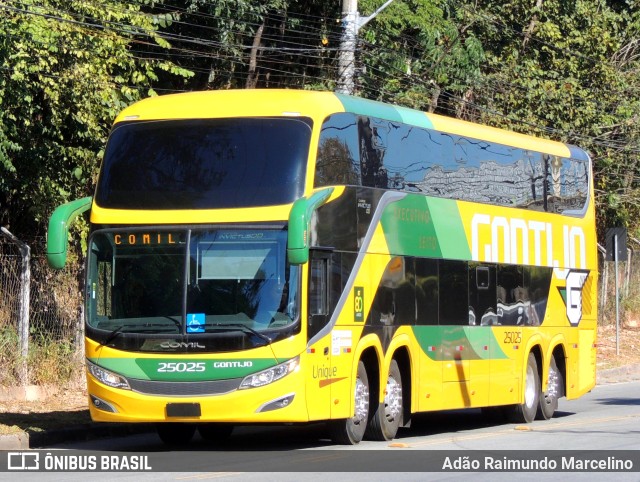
319	105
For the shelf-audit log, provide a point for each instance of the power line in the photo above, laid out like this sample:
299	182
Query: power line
272	52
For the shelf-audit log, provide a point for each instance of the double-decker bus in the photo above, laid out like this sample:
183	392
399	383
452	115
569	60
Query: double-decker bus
282	256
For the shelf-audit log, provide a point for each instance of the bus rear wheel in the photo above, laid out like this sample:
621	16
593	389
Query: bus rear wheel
388	415
350	431
549	399
175	434
526	411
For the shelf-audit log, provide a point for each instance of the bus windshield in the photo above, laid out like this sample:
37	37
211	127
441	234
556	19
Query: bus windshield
204	163
213	283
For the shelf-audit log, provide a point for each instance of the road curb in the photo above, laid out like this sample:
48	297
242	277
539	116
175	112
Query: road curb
626	373
89	431
95	430
14	441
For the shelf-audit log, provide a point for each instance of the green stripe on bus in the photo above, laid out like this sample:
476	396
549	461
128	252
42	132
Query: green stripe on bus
473	343
429	227
449	229
384	111
183	369
408	228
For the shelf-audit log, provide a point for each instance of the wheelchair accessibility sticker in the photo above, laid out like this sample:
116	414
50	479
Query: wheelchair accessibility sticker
195	323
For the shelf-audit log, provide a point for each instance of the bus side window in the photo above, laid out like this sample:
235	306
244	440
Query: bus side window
318	292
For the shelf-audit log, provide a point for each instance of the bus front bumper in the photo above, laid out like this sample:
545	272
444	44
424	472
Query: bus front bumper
280	401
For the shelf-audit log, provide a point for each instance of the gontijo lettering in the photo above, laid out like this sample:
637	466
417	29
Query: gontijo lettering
514	240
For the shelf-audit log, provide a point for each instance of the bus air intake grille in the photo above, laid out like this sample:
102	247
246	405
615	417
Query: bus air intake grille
184	389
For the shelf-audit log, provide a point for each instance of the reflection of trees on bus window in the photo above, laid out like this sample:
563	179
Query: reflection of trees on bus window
392	155
338	144
372	151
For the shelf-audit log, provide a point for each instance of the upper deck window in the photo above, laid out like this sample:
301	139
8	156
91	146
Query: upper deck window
204	163
371	152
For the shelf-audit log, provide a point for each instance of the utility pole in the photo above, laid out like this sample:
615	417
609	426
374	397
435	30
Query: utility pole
352	22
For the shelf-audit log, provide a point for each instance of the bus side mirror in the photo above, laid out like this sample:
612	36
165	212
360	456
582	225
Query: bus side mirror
299	219
58	231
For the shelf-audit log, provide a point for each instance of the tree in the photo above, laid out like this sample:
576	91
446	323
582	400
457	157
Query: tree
567	71
245	44
67	69
419	53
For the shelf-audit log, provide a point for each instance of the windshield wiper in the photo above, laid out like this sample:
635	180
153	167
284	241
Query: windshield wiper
111	336
239	327
144	328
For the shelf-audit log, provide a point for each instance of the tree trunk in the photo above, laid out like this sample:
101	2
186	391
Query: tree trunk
252	79
532	25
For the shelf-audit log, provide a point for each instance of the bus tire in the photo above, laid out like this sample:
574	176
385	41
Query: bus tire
175	433
215	432
548	403
526	411
387	418
350	431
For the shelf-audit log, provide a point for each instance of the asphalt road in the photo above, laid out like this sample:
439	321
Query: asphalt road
607	419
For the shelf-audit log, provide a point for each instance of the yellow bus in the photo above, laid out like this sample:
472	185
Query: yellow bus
282	256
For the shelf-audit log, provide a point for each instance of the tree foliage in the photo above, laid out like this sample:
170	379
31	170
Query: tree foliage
567	70
67	68
562	70
248	44
419	53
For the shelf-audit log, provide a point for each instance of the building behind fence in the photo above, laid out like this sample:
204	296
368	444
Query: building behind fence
49	349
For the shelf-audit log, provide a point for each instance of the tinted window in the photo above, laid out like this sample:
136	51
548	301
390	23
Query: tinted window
385	154
454	292
210	163
482	294
511	295
395	299
568	184
338	160
427	291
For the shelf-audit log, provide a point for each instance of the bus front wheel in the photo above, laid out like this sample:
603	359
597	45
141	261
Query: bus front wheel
526	411
388	415
350	431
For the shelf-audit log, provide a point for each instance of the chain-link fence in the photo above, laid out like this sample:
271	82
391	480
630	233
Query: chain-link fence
53	328
11	358
628	278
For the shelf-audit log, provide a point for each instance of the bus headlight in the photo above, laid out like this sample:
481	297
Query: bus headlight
271	374
108	378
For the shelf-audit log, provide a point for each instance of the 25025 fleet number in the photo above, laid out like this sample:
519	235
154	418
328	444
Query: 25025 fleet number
512	337
181	367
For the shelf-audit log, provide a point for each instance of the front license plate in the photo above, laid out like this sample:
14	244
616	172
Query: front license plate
183	410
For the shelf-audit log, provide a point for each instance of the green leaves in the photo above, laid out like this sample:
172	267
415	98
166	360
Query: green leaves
563	70
67	69
568	70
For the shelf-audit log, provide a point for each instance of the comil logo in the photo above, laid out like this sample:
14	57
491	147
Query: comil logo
23	461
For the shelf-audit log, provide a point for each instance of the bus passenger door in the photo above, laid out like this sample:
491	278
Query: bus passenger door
318	386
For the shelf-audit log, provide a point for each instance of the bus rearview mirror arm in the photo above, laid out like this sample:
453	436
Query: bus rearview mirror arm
299	225
57	234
